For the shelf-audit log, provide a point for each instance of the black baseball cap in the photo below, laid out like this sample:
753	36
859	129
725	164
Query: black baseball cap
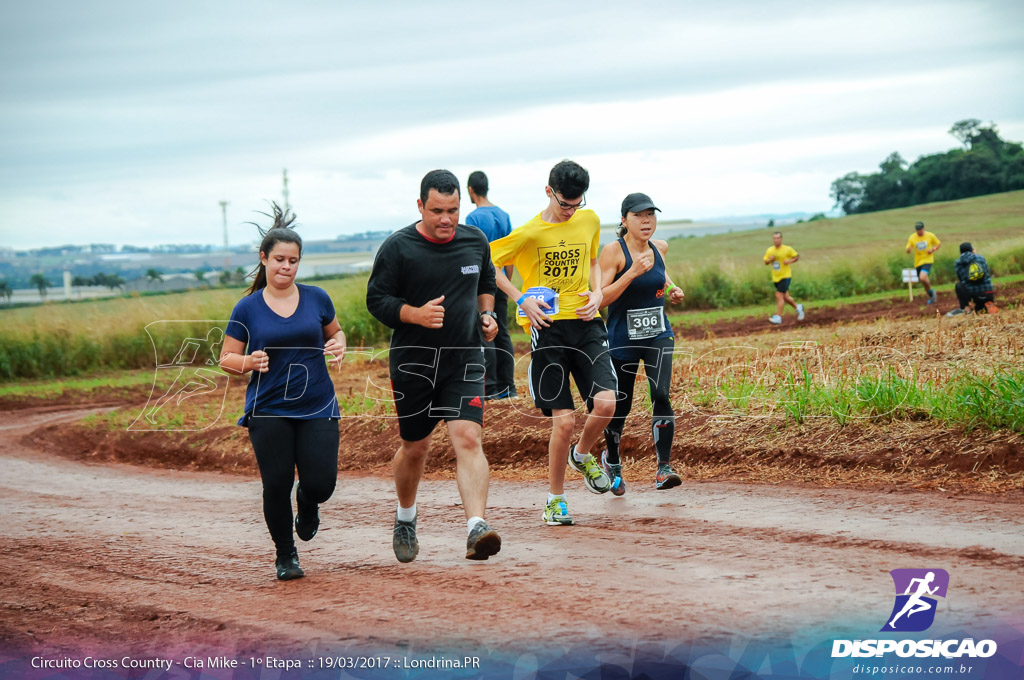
966	247
637	203
919	225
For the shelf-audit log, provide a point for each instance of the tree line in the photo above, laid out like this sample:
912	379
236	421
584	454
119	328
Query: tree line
986	164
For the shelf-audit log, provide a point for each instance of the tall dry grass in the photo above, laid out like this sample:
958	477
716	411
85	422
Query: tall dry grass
61	339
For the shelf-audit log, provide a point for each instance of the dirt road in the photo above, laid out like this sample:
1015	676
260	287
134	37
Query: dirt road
136	559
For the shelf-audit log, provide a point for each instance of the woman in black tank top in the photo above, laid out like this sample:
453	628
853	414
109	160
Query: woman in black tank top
638	331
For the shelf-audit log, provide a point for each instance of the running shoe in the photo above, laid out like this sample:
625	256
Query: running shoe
667	477
307	519
931	297
556	514
775	319
799	312
955	312
507	393
593	476
288	567
991	307
614	472
483	542
404	541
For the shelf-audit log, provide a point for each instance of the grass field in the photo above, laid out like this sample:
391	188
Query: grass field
62	339
984	220
846	378
852	255
841	258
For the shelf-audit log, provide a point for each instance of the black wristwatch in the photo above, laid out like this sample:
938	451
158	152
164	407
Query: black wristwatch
490	314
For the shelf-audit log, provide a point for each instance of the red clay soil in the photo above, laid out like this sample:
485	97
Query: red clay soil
896	307
904	454
101	556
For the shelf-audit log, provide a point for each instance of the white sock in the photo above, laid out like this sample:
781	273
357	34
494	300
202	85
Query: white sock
553	496
473	521
406	514
577	456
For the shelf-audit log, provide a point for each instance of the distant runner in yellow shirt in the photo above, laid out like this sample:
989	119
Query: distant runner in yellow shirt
779	257
924	244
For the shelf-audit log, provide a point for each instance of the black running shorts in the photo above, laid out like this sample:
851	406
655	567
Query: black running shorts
421	402
569	347
783	285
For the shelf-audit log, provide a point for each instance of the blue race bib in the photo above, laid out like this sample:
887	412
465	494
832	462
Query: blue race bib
543	294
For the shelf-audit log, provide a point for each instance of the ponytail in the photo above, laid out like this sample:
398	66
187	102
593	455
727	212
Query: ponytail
281	231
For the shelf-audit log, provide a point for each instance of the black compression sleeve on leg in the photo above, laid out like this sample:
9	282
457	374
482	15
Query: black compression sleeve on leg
623	404
611	440
660	381
663	431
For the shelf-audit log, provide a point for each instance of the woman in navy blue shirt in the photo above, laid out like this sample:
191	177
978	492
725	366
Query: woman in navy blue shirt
280	332
638	330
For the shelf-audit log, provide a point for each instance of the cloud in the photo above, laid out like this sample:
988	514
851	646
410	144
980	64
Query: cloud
131	121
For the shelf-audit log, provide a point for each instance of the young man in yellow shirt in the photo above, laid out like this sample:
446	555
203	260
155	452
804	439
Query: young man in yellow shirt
556	254
924	244
779	257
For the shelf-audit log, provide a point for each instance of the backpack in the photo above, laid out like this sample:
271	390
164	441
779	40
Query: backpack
975	272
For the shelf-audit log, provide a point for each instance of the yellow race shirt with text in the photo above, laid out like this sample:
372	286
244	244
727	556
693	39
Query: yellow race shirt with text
556	256
920	245
780	270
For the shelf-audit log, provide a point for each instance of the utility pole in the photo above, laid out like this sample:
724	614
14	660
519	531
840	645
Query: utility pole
227	253
287	206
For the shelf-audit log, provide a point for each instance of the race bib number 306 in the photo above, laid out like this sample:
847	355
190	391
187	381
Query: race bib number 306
643	324
921	245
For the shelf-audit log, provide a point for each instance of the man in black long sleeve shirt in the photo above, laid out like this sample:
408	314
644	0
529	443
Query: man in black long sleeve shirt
413	270
433	283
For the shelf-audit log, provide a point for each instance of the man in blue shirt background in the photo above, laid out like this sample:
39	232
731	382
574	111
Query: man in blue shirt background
500	358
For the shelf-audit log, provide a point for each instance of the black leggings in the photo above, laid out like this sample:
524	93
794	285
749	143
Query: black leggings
657	358
283	445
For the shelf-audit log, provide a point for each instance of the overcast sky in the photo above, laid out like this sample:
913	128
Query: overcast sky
127	122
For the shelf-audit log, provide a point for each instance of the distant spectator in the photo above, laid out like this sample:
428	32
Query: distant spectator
974	283
498	355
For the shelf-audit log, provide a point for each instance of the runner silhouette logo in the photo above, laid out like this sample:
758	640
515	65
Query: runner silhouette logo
916	589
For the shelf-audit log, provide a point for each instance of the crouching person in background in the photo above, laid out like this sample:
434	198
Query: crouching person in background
974	283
